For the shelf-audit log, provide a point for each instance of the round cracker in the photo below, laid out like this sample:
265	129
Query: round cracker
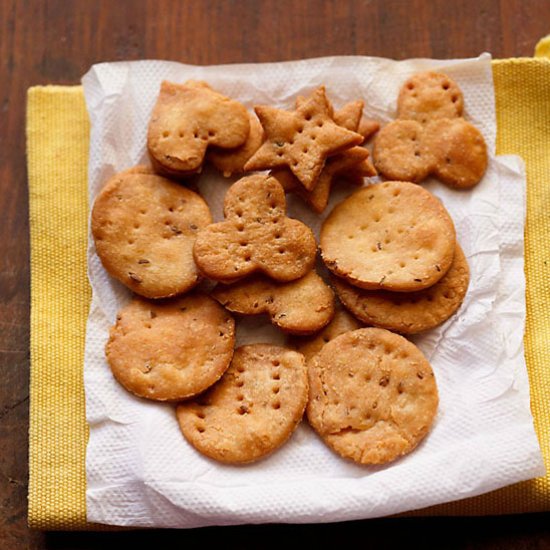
429	95
144	227
252	410
459	150
400	152
409	312
171	350
392	235
372	397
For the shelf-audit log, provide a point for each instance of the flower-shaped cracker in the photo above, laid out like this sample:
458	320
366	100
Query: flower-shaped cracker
430	136
256	235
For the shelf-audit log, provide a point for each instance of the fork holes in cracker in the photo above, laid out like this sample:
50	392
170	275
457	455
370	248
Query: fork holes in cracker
275	363
276	405
166	133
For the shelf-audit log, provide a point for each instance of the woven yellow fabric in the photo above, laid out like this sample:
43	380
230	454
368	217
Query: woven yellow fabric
57	153
57	130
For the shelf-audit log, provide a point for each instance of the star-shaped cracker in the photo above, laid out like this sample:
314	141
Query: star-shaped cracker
352	164
301	139
256	236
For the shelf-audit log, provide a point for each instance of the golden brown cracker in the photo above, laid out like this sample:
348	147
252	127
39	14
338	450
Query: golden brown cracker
232	161
402	153
373	395
170	350
429	95
367	128
144	227
252	410
186	119
409	312
298	307
256	236
430	136
459	151
392	235
301	139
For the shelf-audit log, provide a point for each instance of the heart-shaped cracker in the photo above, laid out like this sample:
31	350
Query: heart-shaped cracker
430	136
186	119
301	139
256	236
298	307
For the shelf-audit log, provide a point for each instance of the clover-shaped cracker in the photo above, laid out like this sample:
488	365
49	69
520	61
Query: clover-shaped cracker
188	118
430	136
303	306
256	235
301	139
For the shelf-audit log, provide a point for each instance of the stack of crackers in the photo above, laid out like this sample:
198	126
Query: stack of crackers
390	250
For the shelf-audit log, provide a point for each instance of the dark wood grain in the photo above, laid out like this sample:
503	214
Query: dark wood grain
55	41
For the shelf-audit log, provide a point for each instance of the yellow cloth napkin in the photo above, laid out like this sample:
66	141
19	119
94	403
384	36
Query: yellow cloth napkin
57	148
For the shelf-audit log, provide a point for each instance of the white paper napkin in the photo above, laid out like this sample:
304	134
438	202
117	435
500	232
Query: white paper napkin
141	471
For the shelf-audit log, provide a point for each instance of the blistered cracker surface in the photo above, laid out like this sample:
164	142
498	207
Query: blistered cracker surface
252	410
373	395
409	312
392	235
171	350
144	227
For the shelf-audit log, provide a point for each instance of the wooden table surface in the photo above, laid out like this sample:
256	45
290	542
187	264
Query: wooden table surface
56	41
